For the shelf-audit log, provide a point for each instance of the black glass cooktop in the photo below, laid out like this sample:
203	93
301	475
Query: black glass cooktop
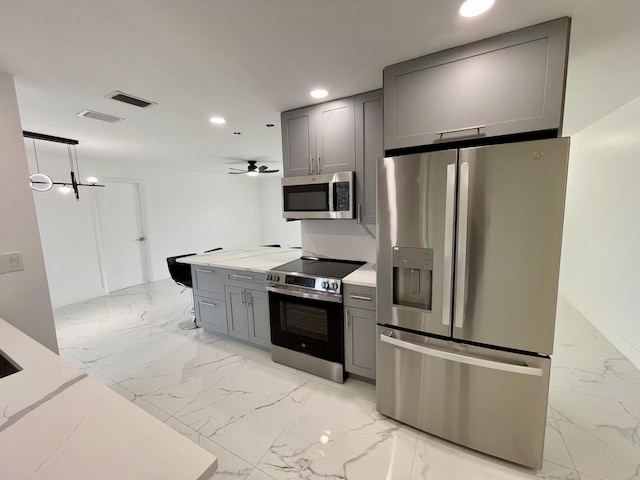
324	268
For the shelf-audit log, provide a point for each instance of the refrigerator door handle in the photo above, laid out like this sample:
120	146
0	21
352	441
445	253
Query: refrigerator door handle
456	357
449	215
461	251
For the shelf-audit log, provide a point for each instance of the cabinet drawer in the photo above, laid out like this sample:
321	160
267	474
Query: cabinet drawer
360	297
211	314
231	277
207	280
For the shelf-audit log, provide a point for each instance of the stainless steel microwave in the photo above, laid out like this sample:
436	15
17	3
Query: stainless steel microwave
318	196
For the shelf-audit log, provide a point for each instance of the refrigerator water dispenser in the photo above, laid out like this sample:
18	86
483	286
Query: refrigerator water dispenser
412	277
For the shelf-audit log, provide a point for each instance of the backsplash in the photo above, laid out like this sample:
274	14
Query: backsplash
341	239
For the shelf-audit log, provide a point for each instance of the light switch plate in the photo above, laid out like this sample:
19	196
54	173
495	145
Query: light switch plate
11	262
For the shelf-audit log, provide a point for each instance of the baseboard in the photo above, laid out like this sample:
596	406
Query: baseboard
605	328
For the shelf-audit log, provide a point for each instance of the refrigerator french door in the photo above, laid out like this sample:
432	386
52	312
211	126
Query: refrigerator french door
468	261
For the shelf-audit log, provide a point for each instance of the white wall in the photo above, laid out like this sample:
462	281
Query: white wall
276	231
185	212
24	296
600	272
342	239
600	269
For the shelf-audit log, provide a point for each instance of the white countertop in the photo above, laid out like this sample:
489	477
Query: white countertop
251	259
58	423
365	276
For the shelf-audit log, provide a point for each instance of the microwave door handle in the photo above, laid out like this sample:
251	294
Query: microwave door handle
331	199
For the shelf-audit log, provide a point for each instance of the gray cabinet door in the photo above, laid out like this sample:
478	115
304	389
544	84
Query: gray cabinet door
298	141
237	318
360	342
509	84
335	136
258	310
211	315
369	132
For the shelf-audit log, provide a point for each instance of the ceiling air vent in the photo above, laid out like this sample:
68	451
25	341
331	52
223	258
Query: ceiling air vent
130	99
100	116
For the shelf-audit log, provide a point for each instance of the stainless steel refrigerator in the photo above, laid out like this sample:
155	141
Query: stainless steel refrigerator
468	261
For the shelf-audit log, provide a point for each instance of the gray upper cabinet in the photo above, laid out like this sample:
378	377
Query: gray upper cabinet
369	148
509	84
319	139
298	141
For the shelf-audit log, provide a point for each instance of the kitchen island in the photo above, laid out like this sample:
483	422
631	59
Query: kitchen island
58	423
249	259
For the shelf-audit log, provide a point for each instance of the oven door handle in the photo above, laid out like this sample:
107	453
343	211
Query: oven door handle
312	296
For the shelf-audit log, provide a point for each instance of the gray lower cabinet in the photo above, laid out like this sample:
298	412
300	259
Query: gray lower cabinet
509	84
237	316
369	149
248	314
319	138
360	330
211	315
258	316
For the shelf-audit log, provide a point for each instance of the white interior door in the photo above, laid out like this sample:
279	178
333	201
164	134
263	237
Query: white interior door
122	237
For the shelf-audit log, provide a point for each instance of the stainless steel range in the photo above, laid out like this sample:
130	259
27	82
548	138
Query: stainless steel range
305	305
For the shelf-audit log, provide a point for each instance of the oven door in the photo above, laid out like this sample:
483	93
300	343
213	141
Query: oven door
308	326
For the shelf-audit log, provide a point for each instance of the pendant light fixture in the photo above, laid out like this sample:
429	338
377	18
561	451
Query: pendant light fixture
41	182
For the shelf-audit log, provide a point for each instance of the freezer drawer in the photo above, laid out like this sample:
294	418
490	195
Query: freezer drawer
488	400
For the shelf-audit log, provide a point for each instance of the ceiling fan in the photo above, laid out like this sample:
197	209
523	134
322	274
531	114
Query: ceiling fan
252	169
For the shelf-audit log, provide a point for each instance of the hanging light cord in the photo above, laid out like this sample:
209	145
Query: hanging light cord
75	154
36	154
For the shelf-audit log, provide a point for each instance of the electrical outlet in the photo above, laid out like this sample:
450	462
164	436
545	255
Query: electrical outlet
11	262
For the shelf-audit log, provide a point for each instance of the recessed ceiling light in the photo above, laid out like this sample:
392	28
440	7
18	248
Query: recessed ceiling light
218	120
473	8
64	189
92	180
319	93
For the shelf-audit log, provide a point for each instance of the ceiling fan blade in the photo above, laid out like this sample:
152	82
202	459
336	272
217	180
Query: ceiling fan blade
237	169
269	171
237	173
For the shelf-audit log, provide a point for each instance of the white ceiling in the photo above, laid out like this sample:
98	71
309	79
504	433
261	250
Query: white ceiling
247	60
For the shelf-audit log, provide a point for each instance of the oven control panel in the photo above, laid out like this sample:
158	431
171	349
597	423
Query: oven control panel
328	285
300	281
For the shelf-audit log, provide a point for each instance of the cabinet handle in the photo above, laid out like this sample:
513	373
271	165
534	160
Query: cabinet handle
243	296
359	213
355	296
205	271
310	164
477	127
243	277
208	304
249	299
348	320
318	164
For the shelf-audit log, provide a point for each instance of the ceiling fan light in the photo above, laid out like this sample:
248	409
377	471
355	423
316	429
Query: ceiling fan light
252	173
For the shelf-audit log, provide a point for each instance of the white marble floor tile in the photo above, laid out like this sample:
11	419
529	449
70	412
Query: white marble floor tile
141	402
230	467
338	435
602	435
259	475
437	459
247	410
176	379
555	449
